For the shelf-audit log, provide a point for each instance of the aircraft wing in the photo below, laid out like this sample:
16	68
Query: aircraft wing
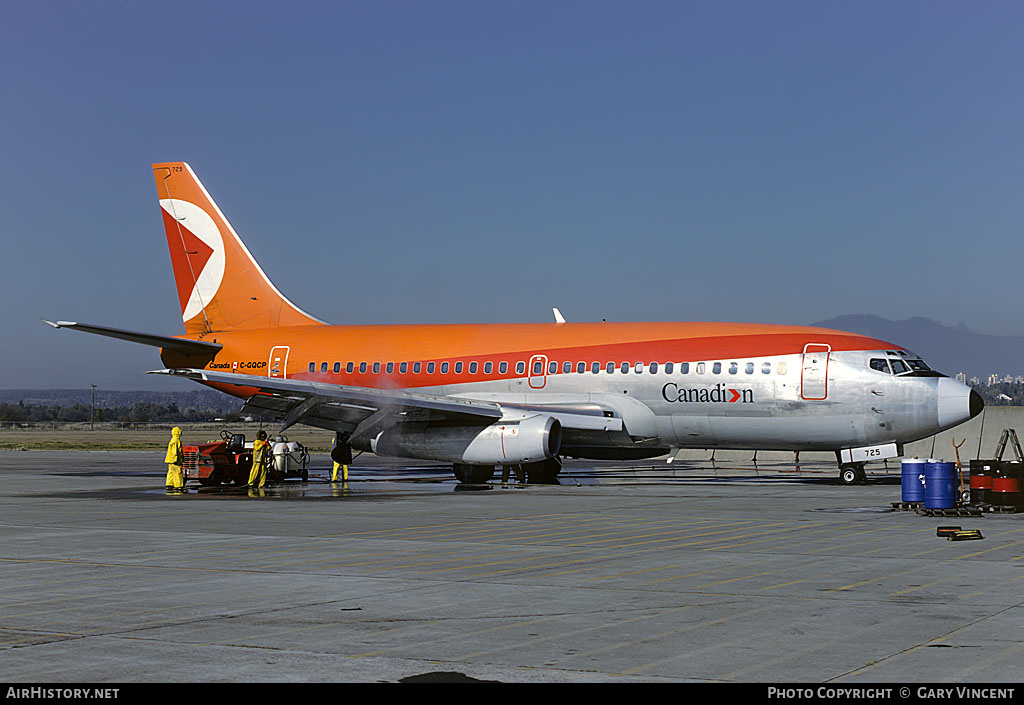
357	410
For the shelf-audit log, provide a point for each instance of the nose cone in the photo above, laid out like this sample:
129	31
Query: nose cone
957	403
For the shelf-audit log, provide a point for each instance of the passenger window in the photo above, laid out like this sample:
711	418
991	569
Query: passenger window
581	367
472	368
323	366
350	367
376	368
488	367
566	367
879	364
403	368
520	367
782	368
668	368
444	368
717	368
312	367
766	368
624	367
362	368
654	368
502	368
552	368
538	368
390	368
337	367
595	367
430	368
610	367
899	367
417	367
733	368
638	368
458	367
749	369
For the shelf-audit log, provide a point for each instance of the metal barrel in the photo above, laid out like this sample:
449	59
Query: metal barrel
981	480
939	485
1006	485
912	480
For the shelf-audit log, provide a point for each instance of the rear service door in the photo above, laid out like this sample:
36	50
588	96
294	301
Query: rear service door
277	365
814	372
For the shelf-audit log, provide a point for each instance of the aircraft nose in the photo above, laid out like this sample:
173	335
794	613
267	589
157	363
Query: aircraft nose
957	402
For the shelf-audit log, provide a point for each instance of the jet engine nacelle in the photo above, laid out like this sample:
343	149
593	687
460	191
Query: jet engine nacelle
526	440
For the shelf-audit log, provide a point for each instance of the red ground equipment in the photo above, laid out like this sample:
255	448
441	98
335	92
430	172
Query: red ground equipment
219	462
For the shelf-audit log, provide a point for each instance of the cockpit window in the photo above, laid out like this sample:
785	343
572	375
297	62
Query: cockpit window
911	367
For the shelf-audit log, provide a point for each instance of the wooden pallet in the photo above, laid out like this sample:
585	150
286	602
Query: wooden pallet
906	506
963	511
997	509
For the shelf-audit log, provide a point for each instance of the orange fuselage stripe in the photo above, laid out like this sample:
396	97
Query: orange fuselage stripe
512	343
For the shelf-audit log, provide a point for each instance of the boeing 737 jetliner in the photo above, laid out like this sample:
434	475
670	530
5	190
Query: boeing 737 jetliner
480	396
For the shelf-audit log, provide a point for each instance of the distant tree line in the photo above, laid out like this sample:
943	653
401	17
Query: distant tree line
140	412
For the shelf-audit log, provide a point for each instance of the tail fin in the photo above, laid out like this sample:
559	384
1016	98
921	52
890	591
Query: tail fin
220	285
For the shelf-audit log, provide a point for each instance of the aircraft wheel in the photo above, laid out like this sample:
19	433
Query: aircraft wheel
544	472
473	474
851	473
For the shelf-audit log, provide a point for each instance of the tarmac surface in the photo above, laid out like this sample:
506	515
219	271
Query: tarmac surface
622	572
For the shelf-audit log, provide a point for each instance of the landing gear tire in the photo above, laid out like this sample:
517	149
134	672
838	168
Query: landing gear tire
852	473
473	474
543	473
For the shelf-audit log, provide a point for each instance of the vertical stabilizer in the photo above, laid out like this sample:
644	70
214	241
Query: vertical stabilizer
220	285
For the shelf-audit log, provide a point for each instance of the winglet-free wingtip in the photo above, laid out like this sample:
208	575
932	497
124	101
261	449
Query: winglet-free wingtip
559	318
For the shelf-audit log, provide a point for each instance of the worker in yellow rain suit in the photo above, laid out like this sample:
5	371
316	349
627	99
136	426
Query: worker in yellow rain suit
260	458
174	458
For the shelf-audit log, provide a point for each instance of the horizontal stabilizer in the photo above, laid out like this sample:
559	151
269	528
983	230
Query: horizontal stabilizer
188	347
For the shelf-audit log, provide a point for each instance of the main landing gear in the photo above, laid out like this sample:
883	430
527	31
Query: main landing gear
543	473
852	473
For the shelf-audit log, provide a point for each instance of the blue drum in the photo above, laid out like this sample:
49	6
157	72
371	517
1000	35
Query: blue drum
940	485
912	480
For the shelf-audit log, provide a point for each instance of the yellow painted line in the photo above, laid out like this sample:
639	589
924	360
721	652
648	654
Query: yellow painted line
878	578
566	635
684	654
436	640
920	587
781	585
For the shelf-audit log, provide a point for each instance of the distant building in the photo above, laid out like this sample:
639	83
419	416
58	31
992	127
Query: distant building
975	381
961	378
993	379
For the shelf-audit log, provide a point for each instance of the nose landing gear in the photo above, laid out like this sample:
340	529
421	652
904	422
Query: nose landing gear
852	473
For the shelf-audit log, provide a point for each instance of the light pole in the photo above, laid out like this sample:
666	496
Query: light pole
92	416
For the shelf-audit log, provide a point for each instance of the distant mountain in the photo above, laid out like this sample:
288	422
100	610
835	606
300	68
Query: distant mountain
946	349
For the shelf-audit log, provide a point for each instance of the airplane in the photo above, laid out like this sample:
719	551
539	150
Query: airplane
527	395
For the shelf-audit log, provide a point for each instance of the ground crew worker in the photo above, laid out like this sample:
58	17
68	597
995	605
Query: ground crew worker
260	456
174	459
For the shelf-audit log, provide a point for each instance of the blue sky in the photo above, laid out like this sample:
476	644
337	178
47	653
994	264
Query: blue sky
449	161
